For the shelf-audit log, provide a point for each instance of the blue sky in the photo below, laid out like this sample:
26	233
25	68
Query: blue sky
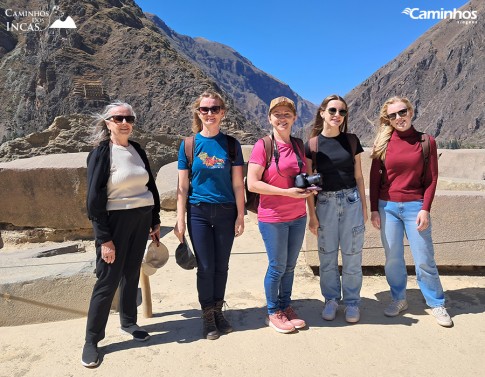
317	47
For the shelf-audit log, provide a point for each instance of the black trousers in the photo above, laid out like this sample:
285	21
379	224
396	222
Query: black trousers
130	229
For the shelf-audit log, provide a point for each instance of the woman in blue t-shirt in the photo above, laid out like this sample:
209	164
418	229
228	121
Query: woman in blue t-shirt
211	192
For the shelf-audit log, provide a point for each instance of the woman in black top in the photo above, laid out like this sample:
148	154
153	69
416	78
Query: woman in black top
340	213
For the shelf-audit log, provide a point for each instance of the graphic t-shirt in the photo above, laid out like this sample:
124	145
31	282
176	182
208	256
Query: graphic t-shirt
211	169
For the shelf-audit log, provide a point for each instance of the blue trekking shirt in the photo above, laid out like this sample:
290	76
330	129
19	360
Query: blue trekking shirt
211	169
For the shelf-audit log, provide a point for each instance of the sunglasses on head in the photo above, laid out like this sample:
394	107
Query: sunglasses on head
119	118
333	111
205	110
402	113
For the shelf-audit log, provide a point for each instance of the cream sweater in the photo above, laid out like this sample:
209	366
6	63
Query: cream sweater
127	182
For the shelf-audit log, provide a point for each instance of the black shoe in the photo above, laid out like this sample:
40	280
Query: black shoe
210	330
139	334
90	358
222	324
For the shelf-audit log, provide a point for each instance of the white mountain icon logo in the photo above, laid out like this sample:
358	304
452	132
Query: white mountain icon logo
68	23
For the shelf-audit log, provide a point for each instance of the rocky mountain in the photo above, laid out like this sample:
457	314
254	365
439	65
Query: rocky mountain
443	74
251	88
114	53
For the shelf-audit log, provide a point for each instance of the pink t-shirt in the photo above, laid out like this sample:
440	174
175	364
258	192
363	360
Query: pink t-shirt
278	208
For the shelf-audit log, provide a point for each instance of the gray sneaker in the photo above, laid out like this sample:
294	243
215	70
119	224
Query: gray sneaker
352	314
395	307
330	310
442	316
139	333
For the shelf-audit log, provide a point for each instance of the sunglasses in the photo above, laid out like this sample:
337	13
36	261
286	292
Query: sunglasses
205	110
402	113
120	118
333	111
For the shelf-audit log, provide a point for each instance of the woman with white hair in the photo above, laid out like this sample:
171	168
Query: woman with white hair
124	207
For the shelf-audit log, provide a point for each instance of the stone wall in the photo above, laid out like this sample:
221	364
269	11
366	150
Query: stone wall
45	192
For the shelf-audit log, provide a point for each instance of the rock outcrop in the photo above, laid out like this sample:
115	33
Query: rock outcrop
443	74
114	53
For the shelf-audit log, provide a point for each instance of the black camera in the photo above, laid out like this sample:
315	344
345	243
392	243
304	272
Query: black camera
304	180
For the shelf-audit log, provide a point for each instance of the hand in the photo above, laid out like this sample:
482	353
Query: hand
155	234
179	230
422	220
375	219
298	193
239	226
108	252
313	225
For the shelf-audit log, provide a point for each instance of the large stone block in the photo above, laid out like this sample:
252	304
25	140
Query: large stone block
46	283
458	233
45	191
166	182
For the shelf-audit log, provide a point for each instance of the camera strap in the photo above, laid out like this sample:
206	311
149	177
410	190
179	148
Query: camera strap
296	149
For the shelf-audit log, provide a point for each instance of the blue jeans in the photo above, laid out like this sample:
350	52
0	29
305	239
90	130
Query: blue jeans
211	230
283	243
398	219
341	222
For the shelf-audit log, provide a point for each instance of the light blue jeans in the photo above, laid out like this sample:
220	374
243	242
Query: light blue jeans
341	222
283	243
398	219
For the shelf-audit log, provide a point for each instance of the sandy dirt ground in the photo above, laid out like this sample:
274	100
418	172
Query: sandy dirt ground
409	345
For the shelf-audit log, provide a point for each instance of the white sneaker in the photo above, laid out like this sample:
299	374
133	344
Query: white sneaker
395	307
330	310
442	316
352	314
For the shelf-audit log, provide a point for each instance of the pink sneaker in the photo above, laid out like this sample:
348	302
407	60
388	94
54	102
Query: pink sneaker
280	322
293	318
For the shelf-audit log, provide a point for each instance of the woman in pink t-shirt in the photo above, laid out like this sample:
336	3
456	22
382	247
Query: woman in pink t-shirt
281	211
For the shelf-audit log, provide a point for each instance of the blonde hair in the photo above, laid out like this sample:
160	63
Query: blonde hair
196	122
385	129
318	123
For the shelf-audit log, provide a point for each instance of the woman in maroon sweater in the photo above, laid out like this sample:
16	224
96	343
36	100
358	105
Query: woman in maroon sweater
401	193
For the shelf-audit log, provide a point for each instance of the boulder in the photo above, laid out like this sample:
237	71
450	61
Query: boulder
45	191
166	182
458	233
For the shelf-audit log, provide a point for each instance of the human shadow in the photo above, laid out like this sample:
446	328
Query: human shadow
470	300
164	230
188	328
371	313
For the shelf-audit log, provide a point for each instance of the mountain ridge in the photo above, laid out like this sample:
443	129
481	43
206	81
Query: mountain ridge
443	75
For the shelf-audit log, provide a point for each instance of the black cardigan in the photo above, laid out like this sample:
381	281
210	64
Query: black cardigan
99	164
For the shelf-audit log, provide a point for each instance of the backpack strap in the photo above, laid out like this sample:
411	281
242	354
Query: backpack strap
313	144
231	148
189	150
298	147
268	147
425	147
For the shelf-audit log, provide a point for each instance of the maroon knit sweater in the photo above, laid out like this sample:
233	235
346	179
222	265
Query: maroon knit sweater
403	171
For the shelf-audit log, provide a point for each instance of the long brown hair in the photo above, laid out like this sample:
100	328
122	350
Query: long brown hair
318	123
196	122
